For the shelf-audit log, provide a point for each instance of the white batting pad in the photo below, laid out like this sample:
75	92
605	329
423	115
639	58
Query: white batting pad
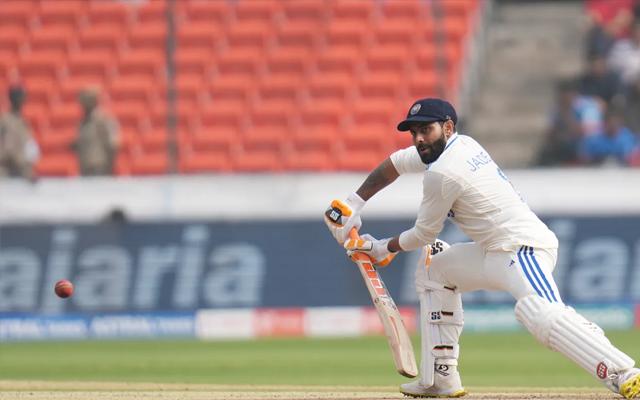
562	329
441	321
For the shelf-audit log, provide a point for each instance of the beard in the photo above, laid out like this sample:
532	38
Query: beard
430	152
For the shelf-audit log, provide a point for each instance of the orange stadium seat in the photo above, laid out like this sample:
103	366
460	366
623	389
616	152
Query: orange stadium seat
407	10
52	141
65	118
144	64
387	59
53	38
359	160
311	160
263	10
326	114
223	114
132	89
282	89
338	59
332	86
41	92
347	35
212	12
296	34
151	12
398	34
458	8
249	35
455	29
129	114
356	11
379	86
200	36
12	38
305	10
215	138
240	62
189	90
320	123
92	66
204	161
115	15
57	164
373	112
235	90
293	62
61	12
154	141
42	64
269	127
193	62
373	137
149	37
258	161
101	38
156	163
122	165
424	85
17	13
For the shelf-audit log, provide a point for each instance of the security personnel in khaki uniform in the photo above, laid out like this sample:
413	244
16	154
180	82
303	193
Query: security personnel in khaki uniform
18	149
97	140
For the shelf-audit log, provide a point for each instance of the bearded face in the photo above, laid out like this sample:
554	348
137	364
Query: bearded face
429	140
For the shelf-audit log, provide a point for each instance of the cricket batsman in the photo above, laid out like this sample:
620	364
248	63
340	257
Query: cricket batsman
512	250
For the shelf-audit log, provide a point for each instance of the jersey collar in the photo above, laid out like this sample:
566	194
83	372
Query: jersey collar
450	142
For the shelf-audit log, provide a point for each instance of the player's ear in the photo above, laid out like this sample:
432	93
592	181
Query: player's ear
449	128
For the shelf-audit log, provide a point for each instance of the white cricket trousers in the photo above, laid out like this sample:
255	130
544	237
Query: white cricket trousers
468	267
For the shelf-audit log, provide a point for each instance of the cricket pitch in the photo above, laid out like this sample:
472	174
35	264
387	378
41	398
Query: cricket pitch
41	390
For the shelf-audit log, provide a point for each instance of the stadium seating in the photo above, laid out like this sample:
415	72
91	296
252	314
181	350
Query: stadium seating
305	85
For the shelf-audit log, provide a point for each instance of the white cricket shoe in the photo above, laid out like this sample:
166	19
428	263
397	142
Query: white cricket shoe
629	383
446	384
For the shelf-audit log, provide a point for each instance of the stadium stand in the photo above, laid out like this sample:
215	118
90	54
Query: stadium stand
261	85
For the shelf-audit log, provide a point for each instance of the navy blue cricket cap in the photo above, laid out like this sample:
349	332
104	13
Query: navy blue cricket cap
429	110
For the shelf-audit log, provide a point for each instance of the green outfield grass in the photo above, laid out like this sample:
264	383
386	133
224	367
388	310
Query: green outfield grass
513	359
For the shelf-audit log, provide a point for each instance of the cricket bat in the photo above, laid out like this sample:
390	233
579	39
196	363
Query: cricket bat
397	336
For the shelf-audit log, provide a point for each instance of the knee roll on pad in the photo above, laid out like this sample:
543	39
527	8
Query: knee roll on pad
562	329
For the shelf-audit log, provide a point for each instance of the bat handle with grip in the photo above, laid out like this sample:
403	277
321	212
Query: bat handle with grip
353	234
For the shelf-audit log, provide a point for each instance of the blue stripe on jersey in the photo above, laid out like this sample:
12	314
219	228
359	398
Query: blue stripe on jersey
535	274
526	273
544	278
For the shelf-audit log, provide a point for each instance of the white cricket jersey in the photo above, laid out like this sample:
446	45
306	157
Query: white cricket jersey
465	184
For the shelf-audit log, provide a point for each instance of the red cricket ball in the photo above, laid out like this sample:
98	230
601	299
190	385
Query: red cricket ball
64	288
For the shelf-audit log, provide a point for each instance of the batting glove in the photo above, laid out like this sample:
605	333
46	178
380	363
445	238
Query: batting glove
341	216
374	248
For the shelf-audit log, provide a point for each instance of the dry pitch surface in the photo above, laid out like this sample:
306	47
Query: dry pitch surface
40	390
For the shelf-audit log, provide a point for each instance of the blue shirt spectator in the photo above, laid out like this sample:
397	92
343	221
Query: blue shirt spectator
588	111
614	143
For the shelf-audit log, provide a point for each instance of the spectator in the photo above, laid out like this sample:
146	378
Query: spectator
565	130
610	20
97	141
624	58
614	144
632	107
18	150
599	81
